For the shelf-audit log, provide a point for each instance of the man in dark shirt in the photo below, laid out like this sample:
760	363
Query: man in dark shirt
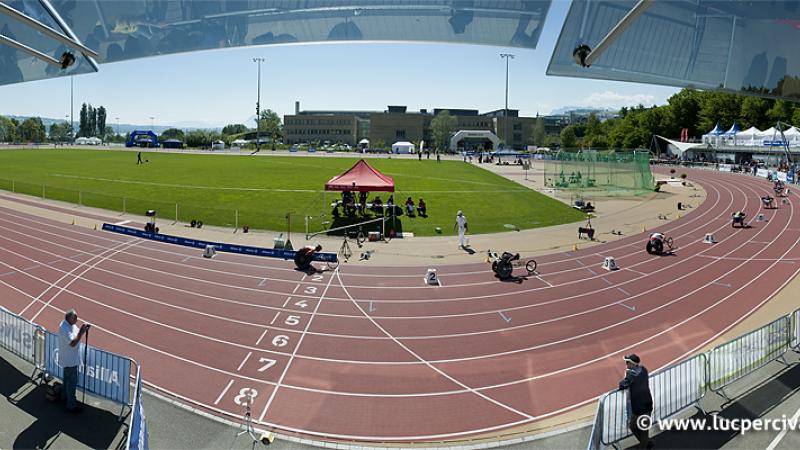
636	381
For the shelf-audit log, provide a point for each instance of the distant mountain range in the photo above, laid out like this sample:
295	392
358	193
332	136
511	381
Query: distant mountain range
583	111
123	128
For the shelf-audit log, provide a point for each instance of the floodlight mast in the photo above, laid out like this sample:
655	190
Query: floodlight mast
506	56
258	104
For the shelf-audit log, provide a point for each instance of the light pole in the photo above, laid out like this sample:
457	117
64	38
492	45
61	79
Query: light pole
151	122
507	56
117	119
66	120
71	109
258	61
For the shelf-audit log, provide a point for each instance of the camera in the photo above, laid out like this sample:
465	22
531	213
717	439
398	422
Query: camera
67	59
580	54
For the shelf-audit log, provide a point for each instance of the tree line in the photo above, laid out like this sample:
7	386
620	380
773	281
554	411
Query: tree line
697	111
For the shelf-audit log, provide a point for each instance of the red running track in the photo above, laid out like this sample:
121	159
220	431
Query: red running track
370	353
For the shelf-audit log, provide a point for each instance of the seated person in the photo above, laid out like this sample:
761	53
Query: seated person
657	237
390	202
738	215
350	206
377	205
508	257
588	207
304	256
409	207
335	211
422	208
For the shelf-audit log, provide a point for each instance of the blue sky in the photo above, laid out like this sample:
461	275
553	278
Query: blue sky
219	87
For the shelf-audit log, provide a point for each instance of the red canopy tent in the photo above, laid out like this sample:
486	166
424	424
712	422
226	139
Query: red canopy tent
362	178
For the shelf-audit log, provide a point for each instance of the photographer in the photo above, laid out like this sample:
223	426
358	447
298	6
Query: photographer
69	335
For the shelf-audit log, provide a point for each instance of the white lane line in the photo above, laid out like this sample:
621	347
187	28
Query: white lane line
772	445
262	336
545	281
591	271
286	302
224	391
639	273
35	266
426	362
296	348
12	272
186	259
123	222
580	263
295	289
277	313
627	294
244	361
632	308
722	284
507	319
607	282
110	252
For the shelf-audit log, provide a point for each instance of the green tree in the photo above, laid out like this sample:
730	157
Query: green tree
568	139
684	108
8	130
198	138
754	112
108	133
84	121
718	107
442	127
172	133
101	121
795	117
232	129
539	133
32	130
91	121
59	132
270	124
781	111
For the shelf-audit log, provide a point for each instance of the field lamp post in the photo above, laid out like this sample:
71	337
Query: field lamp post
507	56
258	61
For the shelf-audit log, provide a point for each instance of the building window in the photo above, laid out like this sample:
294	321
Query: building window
517	137
517	126
400	134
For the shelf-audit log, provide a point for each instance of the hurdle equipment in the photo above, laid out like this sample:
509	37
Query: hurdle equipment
431	279
209	251
709	239
609	263
760	218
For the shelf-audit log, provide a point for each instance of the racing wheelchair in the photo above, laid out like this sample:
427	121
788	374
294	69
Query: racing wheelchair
503	265
656	246
738	220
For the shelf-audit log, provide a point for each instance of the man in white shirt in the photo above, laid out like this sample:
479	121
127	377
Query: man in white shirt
69	335
461	224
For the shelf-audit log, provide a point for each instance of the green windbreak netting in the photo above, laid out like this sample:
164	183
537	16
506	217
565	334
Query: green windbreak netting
606	173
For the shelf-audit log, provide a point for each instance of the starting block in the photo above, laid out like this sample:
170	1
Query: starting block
431	278
610	263
709	239
760	218
209	252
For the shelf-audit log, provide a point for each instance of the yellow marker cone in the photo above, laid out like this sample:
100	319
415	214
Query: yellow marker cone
574	247
644	229
95	227
73	221
679	216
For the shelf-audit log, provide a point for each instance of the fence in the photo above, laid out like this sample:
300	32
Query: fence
606	173
685	384
107	375
20	337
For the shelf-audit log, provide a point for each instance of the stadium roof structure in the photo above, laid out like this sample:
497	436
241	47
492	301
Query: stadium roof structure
730	45
35	35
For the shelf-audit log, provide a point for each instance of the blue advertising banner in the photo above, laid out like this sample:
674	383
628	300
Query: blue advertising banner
220	247
137	435
107	374
790	177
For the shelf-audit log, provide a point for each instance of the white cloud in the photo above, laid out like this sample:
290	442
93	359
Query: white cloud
611	99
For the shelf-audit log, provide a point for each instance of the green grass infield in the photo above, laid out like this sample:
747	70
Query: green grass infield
258	191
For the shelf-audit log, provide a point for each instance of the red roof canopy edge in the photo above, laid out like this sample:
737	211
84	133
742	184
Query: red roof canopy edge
362	178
